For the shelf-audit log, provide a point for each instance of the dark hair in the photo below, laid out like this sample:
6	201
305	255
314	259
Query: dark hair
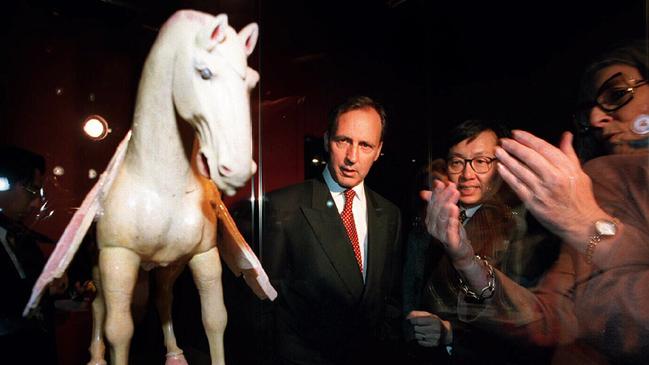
18	165
355	103
634	54
471	128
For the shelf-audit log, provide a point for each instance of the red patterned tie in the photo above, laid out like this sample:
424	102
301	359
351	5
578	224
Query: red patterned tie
348	220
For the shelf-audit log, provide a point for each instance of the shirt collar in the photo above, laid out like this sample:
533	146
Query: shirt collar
335	188
471	211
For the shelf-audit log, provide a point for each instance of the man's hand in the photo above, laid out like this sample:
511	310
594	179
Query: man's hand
430	330
443	223
551	183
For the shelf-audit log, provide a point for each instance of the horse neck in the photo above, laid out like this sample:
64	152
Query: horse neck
156	148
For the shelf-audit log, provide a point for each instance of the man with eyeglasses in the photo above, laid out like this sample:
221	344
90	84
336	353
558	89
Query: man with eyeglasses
495	224
27	340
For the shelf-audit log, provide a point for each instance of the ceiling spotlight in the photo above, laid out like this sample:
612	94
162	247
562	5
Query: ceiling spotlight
4	184
58	171
96	127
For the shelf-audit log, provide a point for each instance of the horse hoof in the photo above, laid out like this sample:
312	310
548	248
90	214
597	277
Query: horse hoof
176	359
97	362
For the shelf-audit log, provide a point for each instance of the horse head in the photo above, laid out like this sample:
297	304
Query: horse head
211	91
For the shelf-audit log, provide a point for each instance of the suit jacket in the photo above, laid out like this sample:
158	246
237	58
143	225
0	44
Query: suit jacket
597	313
324	309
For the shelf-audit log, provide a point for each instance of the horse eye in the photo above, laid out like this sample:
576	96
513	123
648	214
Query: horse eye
206	74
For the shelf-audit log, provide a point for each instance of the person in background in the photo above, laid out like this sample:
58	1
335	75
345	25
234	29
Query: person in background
608	122
495	225
593	302
25	340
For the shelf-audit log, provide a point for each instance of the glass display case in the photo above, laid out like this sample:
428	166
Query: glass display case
69	79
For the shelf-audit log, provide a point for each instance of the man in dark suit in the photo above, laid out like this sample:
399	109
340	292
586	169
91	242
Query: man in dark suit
334	255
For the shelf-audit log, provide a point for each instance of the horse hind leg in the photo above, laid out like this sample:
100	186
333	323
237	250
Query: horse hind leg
119	270
97	347
165	279
206	269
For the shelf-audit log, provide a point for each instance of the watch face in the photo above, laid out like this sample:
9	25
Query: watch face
605	228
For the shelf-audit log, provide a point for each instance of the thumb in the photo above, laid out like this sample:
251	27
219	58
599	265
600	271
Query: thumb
566	147
425	195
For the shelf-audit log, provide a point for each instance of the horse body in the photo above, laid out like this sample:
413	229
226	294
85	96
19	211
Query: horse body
161	227
161	209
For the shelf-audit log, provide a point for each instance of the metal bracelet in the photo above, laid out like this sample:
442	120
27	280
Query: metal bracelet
590	248
486	292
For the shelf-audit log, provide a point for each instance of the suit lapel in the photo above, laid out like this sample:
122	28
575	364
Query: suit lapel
377	242
325	222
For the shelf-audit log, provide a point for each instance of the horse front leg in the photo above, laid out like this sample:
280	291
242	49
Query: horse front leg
165	279
206	269
118	267
97	347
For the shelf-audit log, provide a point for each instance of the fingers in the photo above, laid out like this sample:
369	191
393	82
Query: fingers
422	318
422	321
414	314
427	328
541	156
533	161
521	190
438	184
425	341
442	216
453	227
521	172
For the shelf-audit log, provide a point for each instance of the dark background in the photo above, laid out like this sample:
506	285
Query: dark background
432	64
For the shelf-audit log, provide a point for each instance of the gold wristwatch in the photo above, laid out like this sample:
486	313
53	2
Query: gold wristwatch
604	228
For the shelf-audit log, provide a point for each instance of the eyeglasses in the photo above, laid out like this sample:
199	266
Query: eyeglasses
36	192
617	92
480	165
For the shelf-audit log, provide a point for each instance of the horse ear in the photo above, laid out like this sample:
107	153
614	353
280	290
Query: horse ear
214	32
249	35
219	25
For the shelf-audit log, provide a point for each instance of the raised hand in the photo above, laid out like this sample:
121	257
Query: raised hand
442	221
551	183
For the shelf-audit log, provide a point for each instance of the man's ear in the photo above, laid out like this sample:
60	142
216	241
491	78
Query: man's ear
326	141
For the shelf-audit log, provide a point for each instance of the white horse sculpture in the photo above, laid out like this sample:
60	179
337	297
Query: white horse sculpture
156	205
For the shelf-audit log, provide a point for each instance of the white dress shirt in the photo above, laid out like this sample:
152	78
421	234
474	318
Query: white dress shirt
359	208
470	212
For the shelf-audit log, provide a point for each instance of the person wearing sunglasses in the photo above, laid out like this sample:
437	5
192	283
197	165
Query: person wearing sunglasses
592	304
495	224
21	261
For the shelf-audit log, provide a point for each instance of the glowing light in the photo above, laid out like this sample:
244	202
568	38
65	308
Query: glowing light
58	171
4	184
92	173
96	127
315	161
